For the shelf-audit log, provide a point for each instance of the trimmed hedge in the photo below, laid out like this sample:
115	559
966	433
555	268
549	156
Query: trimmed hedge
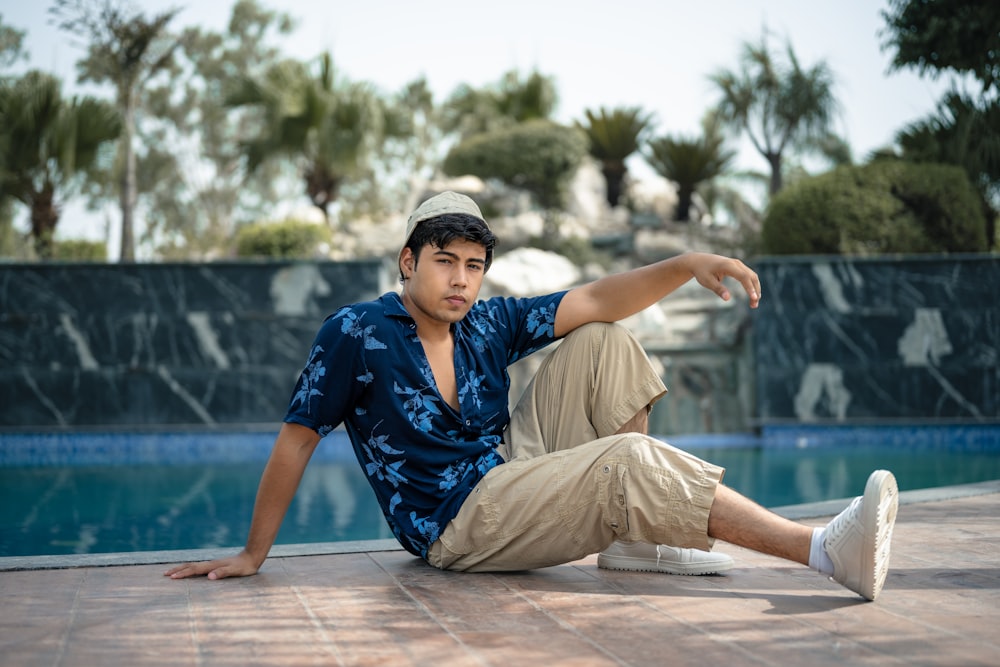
884	207
289	239
538	156
80	250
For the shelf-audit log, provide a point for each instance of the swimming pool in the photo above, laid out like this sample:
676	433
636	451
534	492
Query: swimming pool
115	492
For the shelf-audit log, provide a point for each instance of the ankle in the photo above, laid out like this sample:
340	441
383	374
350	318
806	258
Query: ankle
818	558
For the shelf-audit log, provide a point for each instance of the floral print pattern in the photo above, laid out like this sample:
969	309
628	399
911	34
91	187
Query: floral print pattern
367	371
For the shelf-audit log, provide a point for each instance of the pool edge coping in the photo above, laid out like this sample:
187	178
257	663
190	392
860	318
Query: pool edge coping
59	562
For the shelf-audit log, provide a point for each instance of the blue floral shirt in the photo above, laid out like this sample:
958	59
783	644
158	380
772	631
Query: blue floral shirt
367	369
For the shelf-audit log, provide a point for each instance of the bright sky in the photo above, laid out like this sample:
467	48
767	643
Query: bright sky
655	54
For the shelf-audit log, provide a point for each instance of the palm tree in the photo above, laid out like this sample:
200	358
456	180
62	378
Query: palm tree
330	129
470	111
127	49
614	135
47	144
690	162
963	132
779	106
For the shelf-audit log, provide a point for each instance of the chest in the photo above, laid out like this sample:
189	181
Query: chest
441	358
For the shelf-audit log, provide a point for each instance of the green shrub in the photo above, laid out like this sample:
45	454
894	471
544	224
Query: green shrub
79	250
538	156
882	207
285	239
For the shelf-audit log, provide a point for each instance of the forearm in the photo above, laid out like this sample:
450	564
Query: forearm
278	484
618	296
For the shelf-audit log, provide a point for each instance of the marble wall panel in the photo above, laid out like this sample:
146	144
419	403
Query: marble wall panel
163	344
835	340
844	340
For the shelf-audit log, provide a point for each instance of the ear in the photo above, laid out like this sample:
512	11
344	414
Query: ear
407	262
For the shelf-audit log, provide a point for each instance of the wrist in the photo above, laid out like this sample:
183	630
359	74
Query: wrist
257	559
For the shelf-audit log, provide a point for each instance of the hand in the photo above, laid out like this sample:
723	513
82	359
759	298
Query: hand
237	566
710	270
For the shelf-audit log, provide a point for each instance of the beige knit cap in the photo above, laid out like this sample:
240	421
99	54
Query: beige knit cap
442	204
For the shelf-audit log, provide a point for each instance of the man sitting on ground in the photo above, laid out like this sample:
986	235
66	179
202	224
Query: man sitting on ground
419	381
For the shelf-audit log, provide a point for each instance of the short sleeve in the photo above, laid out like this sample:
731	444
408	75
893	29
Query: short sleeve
328	385
527	324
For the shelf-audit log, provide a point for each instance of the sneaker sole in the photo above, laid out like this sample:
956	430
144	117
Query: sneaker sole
880	504
629	564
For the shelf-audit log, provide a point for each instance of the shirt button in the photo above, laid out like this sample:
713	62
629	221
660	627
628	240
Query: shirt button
468	422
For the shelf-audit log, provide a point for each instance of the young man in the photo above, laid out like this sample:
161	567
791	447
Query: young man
419	381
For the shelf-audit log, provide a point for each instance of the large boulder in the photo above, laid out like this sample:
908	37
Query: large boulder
530	271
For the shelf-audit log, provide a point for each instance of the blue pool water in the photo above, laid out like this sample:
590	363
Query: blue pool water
115	492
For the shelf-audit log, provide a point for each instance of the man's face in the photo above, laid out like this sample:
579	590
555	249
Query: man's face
444	283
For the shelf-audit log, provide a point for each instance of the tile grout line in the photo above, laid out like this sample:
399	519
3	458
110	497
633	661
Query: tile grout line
331	645
641	600
566	625
430	614
70	622
199	658
804	623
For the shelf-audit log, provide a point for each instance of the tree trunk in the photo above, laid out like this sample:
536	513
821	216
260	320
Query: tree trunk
774	159
323	188
685	196
614	175
44	218
127	193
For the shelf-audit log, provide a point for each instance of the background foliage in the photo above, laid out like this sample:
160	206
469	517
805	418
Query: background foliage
210	145
888	206
288	239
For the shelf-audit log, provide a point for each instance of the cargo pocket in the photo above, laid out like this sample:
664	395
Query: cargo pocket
613	485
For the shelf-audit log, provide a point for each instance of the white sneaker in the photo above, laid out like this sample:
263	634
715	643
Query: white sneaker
858	539
643	557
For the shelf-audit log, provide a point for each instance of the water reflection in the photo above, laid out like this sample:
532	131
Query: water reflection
326	482
121	508
814	482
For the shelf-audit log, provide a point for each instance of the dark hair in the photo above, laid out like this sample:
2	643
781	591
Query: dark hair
443	229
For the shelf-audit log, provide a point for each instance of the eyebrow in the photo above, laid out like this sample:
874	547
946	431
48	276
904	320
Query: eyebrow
477	260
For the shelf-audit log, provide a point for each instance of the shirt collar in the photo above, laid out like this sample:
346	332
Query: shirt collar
393	306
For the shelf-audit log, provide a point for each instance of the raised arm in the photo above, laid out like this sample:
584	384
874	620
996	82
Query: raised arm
292	450
618	296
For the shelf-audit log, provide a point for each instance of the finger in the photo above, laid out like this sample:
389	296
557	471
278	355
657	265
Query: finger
180	572
230	569
187	570
713	283
752	286
719	288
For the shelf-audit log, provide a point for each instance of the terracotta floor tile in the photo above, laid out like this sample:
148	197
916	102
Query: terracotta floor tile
940	606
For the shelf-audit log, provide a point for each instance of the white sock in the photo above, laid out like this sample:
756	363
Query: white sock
818	560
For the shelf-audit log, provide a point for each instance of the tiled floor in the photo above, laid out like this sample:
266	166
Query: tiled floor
940	606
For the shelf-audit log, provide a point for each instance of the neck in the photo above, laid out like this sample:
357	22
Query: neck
428	328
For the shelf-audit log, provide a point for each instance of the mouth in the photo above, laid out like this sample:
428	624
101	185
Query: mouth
456	300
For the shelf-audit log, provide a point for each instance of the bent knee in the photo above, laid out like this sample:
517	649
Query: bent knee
601	335
632	448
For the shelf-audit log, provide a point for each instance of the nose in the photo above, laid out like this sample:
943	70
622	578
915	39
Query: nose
459	276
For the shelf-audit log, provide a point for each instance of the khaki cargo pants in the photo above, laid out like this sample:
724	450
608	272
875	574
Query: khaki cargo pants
570	487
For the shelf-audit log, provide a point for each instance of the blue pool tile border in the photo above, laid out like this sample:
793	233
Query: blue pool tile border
930	437
207	447
168	448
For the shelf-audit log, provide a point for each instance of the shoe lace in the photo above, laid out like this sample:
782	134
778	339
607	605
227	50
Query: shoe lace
840	523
